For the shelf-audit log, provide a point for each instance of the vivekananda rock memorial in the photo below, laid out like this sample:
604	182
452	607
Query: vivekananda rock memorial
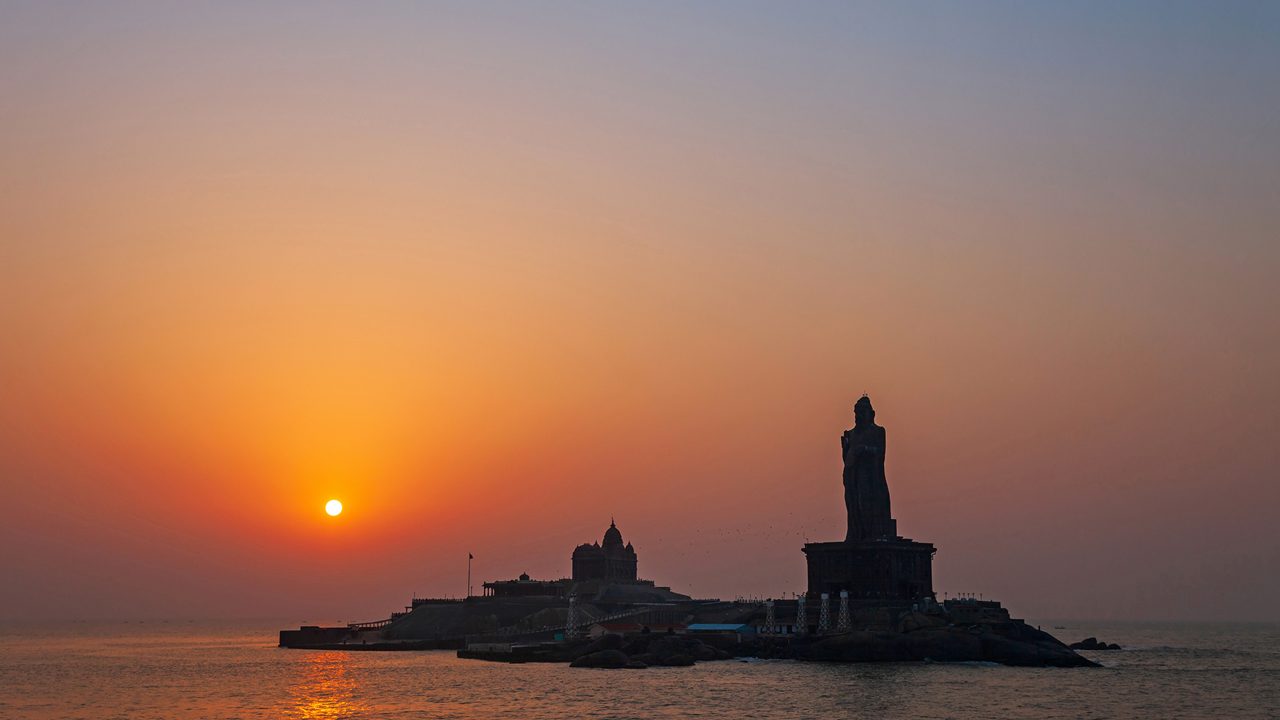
869	598
604	573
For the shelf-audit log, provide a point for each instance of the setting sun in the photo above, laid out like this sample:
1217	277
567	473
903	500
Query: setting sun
333	507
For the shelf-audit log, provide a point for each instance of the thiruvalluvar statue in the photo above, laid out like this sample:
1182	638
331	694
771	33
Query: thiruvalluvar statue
866	492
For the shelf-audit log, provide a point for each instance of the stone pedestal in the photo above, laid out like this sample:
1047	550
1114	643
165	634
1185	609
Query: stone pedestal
888	570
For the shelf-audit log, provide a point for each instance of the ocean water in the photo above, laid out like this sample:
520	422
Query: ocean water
193	670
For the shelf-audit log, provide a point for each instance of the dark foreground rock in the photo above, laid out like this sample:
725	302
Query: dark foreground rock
672	650
1092	643
611	659
1008	644
610	652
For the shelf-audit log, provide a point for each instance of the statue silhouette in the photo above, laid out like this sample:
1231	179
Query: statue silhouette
866	491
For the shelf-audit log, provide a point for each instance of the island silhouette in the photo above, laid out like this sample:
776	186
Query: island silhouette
870	598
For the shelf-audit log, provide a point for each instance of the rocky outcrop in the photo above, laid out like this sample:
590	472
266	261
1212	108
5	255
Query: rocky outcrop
1008	644
611	659
912	621
611	652
1092	643
608	641
912	636
645	651
672	650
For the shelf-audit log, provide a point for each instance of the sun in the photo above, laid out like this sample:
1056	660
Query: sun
333	507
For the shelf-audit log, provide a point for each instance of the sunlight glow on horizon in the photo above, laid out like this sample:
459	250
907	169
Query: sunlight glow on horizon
492	276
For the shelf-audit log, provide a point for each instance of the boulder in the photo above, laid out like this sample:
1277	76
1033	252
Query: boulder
608	641
944	644
639	644
610	659
1092	643
1010	651
703	652
912	621
645	650
859	646
1006	643
678	651
677	660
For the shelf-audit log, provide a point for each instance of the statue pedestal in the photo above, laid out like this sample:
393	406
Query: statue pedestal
892	570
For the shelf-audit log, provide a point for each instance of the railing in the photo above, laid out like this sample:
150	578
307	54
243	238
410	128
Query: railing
415	602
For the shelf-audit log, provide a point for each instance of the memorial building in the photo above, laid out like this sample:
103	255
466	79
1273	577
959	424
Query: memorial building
609	561
603	572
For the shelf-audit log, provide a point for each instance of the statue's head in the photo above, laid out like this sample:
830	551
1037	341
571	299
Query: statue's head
863	413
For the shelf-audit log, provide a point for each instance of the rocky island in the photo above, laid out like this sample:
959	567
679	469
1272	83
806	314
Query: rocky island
869	598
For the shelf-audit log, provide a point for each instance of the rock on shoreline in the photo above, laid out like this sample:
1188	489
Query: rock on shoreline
1092	643
642	651
1013	643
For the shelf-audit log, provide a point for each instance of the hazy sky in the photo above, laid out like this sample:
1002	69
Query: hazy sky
491	274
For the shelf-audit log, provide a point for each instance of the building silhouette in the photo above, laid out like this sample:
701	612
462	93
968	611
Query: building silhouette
604	573
607	561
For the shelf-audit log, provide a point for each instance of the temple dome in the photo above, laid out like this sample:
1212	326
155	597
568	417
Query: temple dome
612	536
609	561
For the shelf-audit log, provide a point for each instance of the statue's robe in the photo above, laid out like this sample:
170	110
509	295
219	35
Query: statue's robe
866	491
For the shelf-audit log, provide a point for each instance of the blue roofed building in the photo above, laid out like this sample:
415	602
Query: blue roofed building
734	629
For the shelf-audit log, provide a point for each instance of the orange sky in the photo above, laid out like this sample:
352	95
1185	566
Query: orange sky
490	278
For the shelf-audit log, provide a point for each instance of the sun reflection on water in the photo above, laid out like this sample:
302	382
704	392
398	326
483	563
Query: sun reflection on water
326	690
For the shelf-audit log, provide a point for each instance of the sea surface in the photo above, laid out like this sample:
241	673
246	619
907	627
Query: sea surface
180	669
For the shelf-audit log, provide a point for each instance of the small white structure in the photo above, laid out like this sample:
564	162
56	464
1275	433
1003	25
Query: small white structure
842	619
571	623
